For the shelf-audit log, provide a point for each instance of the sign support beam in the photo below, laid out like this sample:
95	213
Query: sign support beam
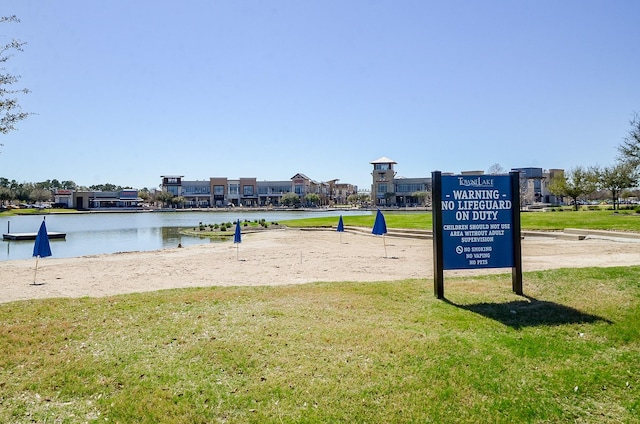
436	205
516	271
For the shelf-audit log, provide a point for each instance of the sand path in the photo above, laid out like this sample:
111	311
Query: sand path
277	257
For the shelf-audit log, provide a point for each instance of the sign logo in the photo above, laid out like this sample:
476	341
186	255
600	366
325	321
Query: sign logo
475	182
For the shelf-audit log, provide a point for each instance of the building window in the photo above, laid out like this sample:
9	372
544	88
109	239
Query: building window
218	190
195	190
409	188
247	190
280	189
382	188
381	167
234	189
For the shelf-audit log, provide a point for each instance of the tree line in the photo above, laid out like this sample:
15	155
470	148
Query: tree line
28	192
582	181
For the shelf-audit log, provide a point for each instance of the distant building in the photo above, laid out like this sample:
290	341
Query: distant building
249	192
534	185
123	199
388	189
63	198
172	184
340	192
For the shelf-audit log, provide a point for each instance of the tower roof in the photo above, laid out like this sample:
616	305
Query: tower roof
383	159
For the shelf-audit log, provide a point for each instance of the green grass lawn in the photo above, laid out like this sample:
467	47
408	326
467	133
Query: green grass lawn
602	220
339	352
34	211
568	351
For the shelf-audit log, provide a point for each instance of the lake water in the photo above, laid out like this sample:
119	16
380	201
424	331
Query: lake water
97	233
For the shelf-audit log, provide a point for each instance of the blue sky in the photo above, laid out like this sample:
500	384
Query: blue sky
126	91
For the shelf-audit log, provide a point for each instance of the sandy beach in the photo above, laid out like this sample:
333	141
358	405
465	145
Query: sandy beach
278	257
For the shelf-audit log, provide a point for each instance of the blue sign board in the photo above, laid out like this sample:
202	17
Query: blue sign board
477	227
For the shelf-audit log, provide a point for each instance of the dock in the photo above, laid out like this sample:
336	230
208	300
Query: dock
32	236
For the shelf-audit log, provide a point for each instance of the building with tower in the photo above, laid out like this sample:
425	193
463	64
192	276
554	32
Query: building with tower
389	189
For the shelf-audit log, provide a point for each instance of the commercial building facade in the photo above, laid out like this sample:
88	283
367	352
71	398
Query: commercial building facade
123	199
389	190
249	192
534	185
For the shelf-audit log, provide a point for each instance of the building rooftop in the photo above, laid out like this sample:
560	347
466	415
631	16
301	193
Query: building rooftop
383	159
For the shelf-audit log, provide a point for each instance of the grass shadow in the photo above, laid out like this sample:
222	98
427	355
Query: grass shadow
530	312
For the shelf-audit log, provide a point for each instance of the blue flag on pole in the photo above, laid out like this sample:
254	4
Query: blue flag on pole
379	226
237	236
41	248
380	229
340	225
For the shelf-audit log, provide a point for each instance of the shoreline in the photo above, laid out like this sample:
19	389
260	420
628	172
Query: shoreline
279	257
212	210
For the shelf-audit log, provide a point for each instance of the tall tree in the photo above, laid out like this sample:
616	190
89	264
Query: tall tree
23	190
105	187
290	199
164	197
40	195
616	178
10	111
421	197
312	198
578	182
5	194
495	169
68	185
629	149
179	201
144	194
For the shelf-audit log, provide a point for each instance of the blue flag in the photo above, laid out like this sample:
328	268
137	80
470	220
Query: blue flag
237	237
41	248
379	226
